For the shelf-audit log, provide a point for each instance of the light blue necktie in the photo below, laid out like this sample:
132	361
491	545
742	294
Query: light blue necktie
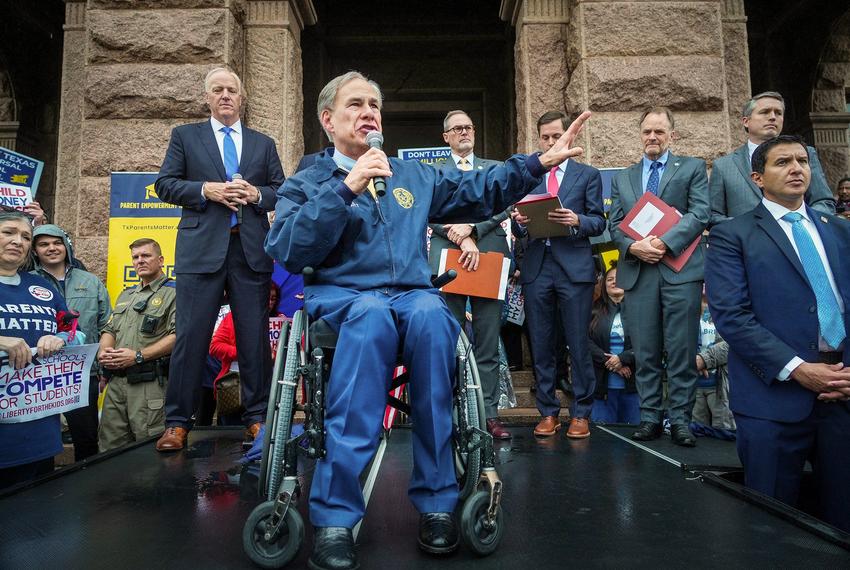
829	314
652	183
231	163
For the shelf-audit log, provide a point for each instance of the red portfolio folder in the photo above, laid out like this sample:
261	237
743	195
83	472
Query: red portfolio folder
652	216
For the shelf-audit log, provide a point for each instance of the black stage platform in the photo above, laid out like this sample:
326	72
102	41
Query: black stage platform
601	502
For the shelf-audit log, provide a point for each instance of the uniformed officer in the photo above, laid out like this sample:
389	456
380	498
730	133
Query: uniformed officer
134	351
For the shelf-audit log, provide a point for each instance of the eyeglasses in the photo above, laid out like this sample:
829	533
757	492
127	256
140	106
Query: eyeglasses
460	129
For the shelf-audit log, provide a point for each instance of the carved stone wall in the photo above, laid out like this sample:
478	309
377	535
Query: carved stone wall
618	58
830	115
132	71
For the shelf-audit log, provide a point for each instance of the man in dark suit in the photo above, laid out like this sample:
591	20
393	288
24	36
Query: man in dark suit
778	287
731	188
219	247
662	306
558	275
472	239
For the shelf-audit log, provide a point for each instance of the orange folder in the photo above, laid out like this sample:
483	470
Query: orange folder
490	280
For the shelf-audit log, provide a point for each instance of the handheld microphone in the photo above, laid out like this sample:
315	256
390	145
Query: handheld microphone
376	140
237	176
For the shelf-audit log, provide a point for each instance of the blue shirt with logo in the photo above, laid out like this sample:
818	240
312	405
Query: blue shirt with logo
28	311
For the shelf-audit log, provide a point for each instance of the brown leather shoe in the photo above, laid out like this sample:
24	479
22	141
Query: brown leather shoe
579	428
174	439
548	426
252	430
497	430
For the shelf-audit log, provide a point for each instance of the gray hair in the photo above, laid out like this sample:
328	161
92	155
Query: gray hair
327	95
211	72
451	114
751	103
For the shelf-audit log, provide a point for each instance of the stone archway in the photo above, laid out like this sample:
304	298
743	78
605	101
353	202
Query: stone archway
830	103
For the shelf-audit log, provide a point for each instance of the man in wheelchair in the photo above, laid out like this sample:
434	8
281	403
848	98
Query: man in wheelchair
372	285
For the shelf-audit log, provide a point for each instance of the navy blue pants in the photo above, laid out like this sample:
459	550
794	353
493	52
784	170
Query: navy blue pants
774	454
374	326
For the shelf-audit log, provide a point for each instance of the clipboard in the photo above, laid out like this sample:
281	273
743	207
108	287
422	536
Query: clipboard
490	280
536	207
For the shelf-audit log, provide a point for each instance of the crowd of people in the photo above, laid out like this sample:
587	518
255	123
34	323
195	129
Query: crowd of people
645	322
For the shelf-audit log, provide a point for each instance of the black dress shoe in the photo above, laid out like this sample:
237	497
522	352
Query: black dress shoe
681	435
647	431
437	533
333	549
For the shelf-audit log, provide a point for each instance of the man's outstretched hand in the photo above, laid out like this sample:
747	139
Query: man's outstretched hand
563	148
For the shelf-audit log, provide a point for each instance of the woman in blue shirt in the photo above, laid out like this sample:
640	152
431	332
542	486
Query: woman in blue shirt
28	308
616	399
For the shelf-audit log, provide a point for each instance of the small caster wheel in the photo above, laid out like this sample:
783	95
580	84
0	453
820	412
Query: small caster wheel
280	551
479	536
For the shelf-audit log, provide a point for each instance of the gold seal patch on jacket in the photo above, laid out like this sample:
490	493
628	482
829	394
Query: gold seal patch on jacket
403	197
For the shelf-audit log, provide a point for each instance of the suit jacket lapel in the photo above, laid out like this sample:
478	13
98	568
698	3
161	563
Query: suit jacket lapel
569	180
766	221
249	141
208	140
636	178
829	245
669	172
742	161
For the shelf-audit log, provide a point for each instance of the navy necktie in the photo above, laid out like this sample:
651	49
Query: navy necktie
830	318
652	183
231	163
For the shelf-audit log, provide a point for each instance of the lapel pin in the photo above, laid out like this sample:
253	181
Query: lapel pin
824	220
675	164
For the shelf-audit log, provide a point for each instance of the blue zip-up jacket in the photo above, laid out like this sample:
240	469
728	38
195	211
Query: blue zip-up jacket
361	243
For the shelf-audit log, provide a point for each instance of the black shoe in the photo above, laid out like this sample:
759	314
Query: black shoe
681	435
647	431
333	549
437	533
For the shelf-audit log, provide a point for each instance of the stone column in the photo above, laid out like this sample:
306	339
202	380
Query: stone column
736	63
830	117
273	74
832	140
71	116
131	73
540	59
618	58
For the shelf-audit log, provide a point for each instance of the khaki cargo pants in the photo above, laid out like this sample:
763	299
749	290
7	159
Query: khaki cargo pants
131	412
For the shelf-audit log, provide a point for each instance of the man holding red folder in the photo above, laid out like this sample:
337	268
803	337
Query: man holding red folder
662	305
558	275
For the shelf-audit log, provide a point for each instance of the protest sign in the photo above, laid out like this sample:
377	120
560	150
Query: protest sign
14	196
48	385
20	170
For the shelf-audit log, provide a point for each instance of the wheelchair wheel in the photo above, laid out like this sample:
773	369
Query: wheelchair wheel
479	536
282	427
271	408
276	553
468	464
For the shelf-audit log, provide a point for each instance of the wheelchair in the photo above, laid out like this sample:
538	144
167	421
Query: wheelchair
274	531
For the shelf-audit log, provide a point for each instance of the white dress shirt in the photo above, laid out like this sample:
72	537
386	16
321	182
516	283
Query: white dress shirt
777	211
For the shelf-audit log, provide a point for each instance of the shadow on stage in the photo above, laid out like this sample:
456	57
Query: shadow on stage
602	502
